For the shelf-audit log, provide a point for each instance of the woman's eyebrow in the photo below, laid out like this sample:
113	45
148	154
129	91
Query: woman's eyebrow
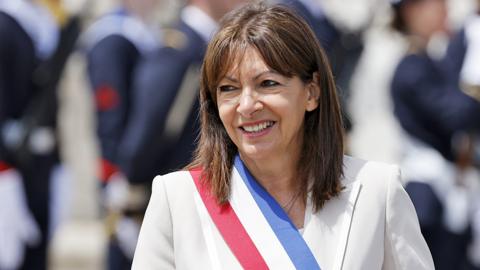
232	79
265	72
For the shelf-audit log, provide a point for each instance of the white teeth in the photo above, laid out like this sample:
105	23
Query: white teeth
258	127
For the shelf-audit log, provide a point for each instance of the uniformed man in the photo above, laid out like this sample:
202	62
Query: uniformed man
29	70
432	110
144	123
161	134
164	125
115	43
461	64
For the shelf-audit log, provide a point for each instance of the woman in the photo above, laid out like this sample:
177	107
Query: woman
432	109
269	187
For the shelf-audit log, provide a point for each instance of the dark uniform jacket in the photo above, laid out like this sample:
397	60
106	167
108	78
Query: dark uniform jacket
115	44
163	127
326	33
429	104
19	60
342	49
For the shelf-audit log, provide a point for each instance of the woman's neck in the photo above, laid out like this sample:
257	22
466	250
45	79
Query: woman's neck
276	174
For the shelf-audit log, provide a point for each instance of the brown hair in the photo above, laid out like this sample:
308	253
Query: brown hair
288	46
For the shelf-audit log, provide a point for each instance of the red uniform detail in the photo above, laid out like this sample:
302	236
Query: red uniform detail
107	169
4	166
106	98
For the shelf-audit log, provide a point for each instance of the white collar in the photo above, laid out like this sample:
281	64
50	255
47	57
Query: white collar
144	36
37	21
199	21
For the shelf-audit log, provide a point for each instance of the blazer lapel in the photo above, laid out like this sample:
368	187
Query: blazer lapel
327	231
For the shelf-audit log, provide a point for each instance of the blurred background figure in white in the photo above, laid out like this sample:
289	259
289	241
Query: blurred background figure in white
461	61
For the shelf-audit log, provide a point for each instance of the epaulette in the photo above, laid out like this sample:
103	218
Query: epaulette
174	38
57	10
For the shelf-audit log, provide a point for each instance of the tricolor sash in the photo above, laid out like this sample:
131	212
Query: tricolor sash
230	227
255	227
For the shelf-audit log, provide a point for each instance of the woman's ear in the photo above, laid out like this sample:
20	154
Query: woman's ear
313	92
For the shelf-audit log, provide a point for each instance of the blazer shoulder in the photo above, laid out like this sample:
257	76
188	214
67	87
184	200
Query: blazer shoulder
177	185
369	172
174	179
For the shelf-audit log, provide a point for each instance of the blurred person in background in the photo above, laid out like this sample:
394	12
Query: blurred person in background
160	134
36	38
342	46
163	124
432	111
463	55
148	114
115	43
370	103
462	64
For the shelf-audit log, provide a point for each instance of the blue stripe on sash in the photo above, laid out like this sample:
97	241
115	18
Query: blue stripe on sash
286	232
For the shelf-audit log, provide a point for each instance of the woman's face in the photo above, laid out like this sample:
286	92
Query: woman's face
261	110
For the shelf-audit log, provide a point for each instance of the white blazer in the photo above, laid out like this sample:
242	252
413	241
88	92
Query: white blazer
371	225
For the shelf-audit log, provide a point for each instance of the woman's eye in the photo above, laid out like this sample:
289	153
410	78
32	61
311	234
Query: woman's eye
226	88
269	83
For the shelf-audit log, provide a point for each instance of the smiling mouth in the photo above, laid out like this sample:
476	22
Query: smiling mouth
257	128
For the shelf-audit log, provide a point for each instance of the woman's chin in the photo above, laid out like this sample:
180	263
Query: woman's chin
256	152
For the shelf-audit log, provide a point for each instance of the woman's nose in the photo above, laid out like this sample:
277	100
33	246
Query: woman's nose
248	103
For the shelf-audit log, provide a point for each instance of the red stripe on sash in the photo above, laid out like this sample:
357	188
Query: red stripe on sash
230	227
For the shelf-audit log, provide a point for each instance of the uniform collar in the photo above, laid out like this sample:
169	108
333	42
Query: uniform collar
199	21
37	21
144	36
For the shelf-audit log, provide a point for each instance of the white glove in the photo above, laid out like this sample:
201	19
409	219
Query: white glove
474	248
17	226
456	213
127	232
116	192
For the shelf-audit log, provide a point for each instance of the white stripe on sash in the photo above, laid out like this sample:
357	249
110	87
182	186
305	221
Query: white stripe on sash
207	224
257	226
